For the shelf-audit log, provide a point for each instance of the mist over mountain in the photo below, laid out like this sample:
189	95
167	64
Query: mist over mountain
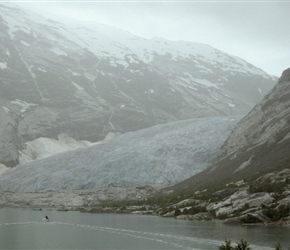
87	80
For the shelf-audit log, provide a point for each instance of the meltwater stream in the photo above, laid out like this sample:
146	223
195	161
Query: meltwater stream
23	229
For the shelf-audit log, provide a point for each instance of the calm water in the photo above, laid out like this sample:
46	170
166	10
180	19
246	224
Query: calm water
23	229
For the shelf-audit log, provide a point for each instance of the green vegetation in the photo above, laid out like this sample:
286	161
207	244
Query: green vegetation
226	246
242	245
268	187
123	203
276	212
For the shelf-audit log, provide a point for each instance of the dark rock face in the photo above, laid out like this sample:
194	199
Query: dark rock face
268	122
259	144
88	80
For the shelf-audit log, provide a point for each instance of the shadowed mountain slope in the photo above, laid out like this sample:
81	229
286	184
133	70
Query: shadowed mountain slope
259	144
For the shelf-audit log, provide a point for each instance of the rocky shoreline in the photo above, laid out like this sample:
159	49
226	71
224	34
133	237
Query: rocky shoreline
77	199
266	202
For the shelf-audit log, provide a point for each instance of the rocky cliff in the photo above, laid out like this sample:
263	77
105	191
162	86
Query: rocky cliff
86	80
259	144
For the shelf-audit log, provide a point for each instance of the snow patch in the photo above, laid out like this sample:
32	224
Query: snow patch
187	80
23	105
186	85
3	65
78	87
205	82
89	76
25	43
113	63
203	69
74	73
151	91
58	51
132	59
134	71
40	69
15	25
6	109
123	63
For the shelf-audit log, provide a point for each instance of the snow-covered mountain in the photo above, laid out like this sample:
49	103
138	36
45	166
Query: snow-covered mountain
86	80
161	154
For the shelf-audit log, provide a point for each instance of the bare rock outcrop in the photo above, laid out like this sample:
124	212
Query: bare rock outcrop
259	143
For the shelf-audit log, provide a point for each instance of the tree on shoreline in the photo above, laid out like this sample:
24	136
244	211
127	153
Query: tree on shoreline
242	245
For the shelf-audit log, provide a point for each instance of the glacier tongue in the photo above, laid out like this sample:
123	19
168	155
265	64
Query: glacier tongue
162	154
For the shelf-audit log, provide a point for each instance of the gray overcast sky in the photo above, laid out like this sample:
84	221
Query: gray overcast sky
257	31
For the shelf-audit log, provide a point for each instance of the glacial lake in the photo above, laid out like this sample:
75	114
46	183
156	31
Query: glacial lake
23	229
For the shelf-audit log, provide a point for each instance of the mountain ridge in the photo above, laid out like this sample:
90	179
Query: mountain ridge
259	143
86	82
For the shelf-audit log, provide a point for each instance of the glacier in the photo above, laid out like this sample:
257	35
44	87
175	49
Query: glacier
161	154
